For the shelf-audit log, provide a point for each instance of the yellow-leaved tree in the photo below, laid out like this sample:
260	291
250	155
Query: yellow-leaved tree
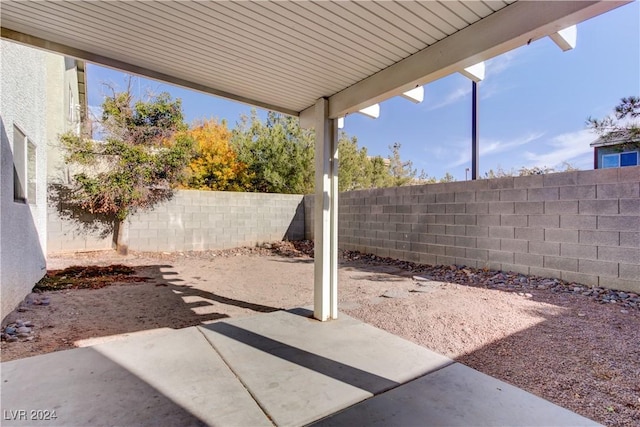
215	165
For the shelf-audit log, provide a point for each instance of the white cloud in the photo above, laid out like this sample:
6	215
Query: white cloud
572	147
489	146
460	92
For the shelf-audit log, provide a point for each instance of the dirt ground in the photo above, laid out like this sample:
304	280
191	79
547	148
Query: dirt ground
567	348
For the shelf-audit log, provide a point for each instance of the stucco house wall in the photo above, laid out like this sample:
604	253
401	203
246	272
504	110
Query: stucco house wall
23	97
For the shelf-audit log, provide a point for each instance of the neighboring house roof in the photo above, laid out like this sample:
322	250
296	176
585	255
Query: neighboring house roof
618	138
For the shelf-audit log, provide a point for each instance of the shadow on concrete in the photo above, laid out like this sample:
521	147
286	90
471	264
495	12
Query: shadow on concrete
339	371
84	387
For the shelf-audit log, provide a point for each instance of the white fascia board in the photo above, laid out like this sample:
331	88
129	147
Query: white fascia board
372	111
415	95
565	39
519	23
475	72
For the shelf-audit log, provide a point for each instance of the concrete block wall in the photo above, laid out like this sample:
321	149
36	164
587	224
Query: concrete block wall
197	220
581	226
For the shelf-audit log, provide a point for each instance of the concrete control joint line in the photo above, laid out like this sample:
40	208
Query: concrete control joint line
263	409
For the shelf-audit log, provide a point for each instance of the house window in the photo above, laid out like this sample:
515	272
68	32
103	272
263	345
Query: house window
24	168
629	159
616	160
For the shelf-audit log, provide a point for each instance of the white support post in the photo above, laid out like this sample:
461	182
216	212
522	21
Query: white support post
325	301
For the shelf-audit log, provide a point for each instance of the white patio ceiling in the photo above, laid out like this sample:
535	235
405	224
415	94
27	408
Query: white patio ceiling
285	55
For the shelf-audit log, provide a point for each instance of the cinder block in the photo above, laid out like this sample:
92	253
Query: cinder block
455	230
561	235
515	268
403	246
502	232
396	254
488	196
500	183
427	198
560	179
619	223
543	194
618	254
465	242
477	208
445	219
454	251
529	233
445	260
412	256
600	206
530	260
427	238
501	257
599	238
572	250
465	219
597	176
629	207
544	221
544	248
477	254
622	190
529	208
477	231
455	207
502	208
580	278
435	249
560	263
561	207
436	229
514	220
488	220
578	222
528	181
488	243
513	195
578	192
418	247
437	208
465	196
629	239
445	197
629	174
445	240
428	259
620	284
512	245
600	268
630	271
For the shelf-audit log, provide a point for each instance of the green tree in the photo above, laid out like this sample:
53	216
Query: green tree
623	126
402	172
447	178
138	163
279	154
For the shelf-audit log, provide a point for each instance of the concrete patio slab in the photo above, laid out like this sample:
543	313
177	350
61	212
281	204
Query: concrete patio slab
456	396
168	378
300	370
280	368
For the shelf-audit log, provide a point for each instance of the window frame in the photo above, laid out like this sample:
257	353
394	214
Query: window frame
25	167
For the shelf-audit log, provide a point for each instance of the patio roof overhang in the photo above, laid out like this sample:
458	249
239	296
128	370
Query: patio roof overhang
319	60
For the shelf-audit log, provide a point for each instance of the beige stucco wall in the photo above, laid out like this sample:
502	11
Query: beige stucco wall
23	97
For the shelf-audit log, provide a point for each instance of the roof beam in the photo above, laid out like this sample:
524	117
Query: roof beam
507	29
84	55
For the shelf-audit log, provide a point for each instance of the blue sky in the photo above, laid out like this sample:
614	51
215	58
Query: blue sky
533	103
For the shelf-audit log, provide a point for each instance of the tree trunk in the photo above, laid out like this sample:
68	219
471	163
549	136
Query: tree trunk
121	237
